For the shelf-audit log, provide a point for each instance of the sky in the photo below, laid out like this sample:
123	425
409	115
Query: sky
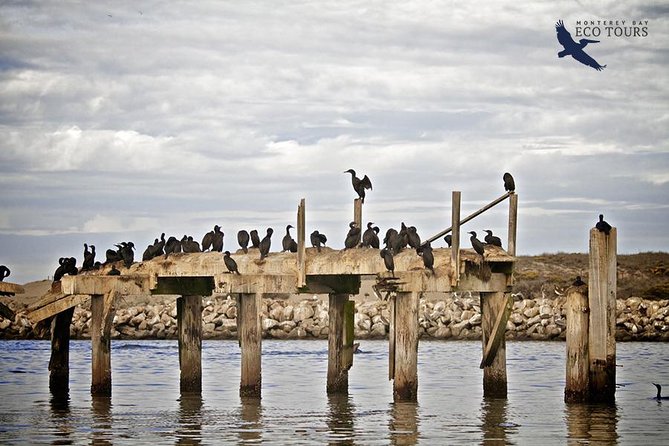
121	120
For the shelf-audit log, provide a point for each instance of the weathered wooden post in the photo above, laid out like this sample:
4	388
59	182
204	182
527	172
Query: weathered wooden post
455	236
405	386
513	223
250	338
102	314
578	363
337	380
357	216
495	310
189	325
602	302
301	245
59	364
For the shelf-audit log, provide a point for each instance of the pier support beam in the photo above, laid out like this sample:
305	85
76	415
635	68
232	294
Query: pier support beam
189	324
59	364
493	324
102	314
405	385
602	303
578	362
338	350
249	330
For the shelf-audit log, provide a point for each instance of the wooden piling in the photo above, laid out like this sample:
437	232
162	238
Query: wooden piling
578	363
494	367
513	224
455	237
301	245
189	326
602	303
250	338
337	379
392	300
59	364
405	386
102	314
357	216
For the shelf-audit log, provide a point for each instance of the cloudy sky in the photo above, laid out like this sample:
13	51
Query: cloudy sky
121	120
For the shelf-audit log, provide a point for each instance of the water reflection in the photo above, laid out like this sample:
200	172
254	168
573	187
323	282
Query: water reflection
251	413
494	420
102	420
340	419
404	423
60	416
190	418
595	423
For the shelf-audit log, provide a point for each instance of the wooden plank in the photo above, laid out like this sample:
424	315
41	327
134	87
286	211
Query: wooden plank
185	285
301	245
391	336
250	338
10	289
63	303
48	297
494	374
455	238
6	312
578	362
337	378
59	363
189	327
102	315
405	385
135	283
497	334
513	224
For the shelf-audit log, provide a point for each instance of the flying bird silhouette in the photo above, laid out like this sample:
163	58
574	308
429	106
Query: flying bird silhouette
574	49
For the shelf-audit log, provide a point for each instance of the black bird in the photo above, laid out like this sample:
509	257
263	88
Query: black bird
370	237
265	243
578	281
387	257
113	271
428	256
359	185
659	396
213	239
404	238
413	238
317	239
243	240
67	265
449	240
190	245
114	256
89	258
574	49
288	243
353	236
148	253
255	239
127	254
230	263
603	226
172	246
393	240
4	272
158	249
492	239
509	184
476	244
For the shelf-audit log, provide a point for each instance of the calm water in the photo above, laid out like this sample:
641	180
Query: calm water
295	409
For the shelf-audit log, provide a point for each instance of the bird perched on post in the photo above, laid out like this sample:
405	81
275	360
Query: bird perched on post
476	244
89	258
230	263
428	257
243	240
509	184
255	239
4	272
353	236
265	243
491	239
359	185
288	243
387	257
317	239
603	226
213	239
370	237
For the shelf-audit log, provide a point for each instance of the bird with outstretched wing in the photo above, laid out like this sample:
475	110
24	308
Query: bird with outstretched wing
575	50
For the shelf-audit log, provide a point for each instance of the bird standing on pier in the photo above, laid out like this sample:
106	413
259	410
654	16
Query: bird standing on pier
428	256
213	239
388	261
89	258
317	239
255	239
509	184
127	254
265	243
393	241
243	240
603	226
113	271
659	396
449	240
370	237
288	243
4	272
492	239
190	245
352	237
413	238
172	246
230	263
476	244
359	185
67	265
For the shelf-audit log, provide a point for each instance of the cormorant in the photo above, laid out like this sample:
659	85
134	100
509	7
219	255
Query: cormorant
67	265
149	252
265	243
230	263
288	243
89	258
603	226
359	185
317	239
243	240
387	257
370	237
158	249
113	271
4	272
492	239
476	244
449	240
393	240
428	256
172	246
114	256
509	184
213	239
127	253
659	393
578	281
353	236
255	239
413	238
190	245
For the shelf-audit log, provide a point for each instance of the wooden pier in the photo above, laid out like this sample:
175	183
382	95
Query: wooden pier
337	273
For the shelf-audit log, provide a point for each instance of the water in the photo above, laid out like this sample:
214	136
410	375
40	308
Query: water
146	405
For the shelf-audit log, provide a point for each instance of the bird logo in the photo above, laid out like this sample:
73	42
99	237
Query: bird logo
575	50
